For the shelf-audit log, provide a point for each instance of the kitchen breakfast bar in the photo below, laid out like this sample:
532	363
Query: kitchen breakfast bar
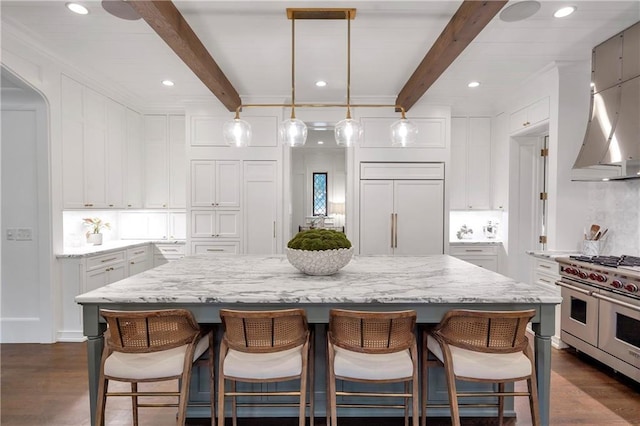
431	285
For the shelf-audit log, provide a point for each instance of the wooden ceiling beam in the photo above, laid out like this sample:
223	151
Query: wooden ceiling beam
167	21
470	18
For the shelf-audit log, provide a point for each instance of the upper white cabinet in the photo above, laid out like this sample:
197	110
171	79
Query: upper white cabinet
215	183
134	154
165	184
207	130
529	116
95	139
470	163
377	133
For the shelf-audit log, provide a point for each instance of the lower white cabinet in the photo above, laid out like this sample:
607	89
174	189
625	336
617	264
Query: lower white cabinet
483	255
220	247
163	253
139	259
546	272
215	224
83	273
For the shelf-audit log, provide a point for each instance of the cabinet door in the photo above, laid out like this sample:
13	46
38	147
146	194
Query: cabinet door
72	144
203	177
458	172
203	223
376	208
177	162
116	273
134	162
227	224
138	265
222	247
95	153
487	262
538	111
227	184
156	162
518	120
177	226
260	207
479	163
419	209
96	279
116	136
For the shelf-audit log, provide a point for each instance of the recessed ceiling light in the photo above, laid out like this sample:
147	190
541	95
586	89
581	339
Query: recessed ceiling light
473	84
519	11
167	83
565	11
77	8
321	83
320	142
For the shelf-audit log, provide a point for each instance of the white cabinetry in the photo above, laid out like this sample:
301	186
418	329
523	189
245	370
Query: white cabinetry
260	207
529	116
546	272
164	161
215	183
95	139
134	164
470	163
163	253
215	224
483	255
217	247
399	214
85	273
139	259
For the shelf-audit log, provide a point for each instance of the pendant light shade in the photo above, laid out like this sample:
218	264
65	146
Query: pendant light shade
348	132
237	133
293	132
403	133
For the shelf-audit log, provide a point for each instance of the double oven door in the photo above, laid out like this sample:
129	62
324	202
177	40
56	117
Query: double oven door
603	319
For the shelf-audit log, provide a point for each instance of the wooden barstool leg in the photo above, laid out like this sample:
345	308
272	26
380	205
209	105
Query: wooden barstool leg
134	403
500	404
423	371
234	405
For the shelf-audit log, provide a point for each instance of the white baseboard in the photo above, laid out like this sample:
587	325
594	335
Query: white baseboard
70	336
557	343
21	330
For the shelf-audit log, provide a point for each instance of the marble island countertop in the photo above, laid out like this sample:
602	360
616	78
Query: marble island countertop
211	279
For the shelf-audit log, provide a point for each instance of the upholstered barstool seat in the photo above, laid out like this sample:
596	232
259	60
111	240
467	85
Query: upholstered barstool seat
365	366
258	366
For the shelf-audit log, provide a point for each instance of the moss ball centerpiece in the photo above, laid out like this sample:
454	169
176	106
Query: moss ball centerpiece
319	251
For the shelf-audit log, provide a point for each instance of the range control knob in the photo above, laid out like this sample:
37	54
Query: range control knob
593	276
616	284
582	275
631	287
602	278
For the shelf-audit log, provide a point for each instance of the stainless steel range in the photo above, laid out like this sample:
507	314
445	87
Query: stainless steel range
600	313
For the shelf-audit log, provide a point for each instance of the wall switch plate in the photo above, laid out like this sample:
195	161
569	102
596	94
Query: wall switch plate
24	234
11	234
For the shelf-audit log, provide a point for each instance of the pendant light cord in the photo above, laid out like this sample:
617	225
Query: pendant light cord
348	65
293	67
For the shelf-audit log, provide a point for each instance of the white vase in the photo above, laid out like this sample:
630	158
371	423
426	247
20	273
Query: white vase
95	239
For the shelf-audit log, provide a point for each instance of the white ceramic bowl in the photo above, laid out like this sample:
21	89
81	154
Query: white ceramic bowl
320	262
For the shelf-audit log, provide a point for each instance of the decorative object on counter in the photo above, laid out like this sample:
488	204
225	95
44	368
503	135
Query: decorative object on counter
319	251
94	236
464	233
490	230
591	242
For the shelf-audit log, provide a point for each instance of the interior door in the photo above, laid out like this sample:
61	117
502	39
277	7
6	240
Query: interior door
376	208
419	209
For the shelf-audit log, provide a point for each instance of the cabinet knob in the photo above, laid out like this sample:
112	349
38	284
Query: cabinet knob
110	205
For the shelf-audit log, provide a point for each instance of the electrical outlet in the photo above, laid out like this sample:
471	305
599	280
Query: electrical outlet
11	234
24	234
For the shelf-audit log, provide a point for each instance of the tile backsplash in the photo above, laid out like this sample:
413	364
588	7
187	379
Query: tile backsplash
616	205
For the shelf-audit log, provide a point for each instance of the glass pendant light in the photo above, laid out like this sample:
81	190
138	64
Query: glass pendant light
237	132
293	132
403	132
348	132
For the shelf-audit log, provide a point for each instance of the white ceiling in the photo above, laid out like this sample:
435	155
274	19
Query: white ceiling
251	42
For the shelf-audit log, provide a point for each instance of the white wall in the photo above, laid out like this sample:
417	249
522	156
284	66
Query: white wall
26	268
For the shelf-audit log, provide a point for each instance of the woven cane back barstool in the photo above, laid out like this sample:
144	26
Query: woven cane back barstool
374	348
152	346
263	347
481	346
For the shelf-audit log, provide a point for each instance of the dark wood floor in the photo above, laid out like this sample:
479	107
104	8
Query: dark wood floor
47	385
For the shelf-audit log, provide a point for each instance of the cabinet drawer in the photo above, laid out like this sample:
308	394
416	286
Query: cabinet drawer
473	250
548	267
545	279
169	249
95	262
487	262
232	247
138	252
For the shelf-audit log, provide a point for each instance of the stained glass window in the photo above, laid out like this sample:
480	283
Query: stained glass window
319	194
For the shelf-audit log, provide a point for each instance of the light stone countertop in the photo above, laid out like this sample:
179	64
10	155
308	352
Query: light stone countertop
475	242
108	247
552	254
214	279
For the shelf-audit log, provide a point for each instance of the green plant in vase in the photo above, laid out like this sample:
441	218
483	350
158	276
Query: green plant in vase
319	251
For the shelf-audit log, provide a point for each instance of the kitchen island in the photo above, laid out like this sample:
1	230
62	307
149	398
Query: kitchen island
431	285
